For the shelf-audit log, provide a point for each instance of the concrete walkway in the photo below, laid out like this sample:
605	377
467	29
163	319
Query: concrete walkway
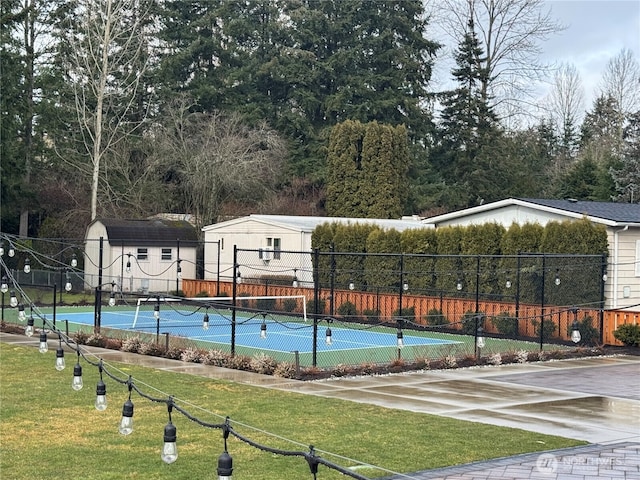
594	399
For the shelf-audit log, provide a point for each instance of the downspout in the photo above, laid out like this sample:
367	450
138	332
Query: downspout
615	264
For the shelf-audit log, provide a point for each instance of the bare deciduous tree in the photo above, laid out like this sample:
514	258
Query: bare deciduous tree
511	33
566	105
621	80
217	158
106	64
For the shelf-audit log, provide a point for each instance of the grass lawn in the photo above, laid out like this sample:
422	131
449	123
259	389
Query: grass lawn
50	431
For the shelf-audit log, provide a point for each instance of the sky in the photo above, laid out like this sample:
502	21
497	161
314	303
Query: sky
597	30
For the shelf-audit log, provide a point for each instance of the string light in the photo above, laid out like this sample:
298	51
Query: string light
205	321
21	315
225	462
263	330
4	288
126	422
76	383
101	392
44	345
128	266
13	300
28	331
60	364
74	261
169	448
27	265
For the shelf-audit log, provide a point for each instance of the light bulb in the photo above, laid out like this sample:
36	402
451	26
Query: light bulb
459	285
352	285
169	449
225	466
126	423
128	267
60	359
1	249
179	272
21	315
156	311
575	332
328	337
112	299
4	288
27	265
400	339
12	252
508	284
13	300
405	286
44	346
76	383
101	396
28	331
68	286
263	331
74	261
205	322
481	342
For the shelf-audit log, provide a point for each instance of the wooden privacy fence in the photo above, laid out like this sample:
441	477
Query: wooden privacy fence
454	310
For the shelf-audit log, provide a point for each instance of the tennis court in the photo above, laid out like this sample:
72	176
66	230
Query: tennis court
276	335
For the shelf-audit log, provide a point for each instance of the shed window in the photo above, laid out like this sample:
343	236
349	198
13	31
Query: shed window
143	254
275	245
166	254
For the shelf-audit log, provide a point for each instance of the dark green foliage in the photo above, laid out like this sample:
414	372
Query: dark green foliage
289	304
549	328
408	313
266	304
383	271
506	324
347	309
311	306
435	317
371	315
470	323
629	334
589	335
367	166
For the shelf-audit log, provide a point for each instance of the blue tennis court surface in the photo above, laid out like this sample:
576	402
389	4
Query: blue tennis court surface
281	336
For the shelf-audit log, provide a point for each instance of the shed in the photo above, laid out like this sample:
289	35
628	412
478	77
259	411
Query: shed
142	256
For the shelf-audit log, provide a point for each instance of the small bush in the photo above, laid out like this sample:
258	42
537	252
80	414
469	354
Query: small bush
549	328
96	340
589	335
450	361
131	344
264	364
506	324
371	315
347	309
285	370
216	357
522	356
628	334
266	304
191	354
290	304
240	362
311	305
174	353
151	348
495	359
407	312
80	337
435	317
469	323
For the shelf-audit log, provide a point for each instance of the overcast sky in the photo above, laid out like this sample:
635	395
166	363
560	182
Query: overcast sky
597	30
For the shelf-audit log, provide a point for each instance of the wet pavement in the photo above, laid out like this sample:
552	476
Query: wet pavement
593	399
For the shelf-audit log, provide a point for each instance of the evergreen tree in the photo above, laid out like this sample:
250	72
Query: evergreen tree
468	128
367	167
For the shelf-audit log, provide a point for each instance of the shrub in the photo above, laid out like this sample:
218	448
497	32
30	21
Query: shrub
131	344
450	361
435	317
290	304
371	315
506	324
264	364
628	334
285	370
347	309
311	305
203	293
151	348
522	356
216	357
469	323
240	362
191	354
266	304
495	359
80	337
96	340
589	335
407	312
174	353
549	328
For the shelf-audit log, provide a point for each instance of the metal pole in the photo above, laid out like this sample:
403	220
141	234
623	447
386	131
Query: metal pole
603	272
542	304
218	272
477	285
98	302
517	295
234	295
54	305
401	285
316	301
178	267
332	281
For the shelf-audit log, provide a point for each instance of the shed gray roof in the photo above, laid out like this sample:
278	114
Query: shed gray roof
154	231
617	212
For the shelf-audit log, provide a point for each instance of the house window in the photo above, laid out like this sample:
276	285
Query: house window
143	254
273	244
166	254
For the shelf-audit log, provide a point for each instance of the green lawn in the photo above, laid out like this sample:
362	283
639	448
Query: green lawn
50	431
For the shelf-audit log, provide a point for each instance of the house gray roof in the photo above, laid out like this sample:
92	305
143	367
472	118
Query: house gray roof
617	212
154	231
